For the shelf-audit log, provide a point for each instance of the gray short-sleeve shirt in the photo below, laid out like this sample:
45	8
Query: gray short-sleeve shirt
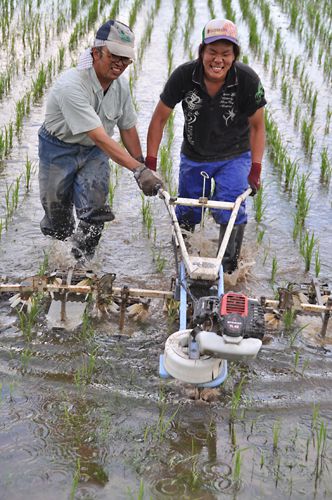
76	104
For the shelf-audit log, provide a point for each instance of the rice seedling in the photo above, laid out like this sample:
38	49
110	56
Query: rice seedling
302	198
307	244
291	172
44	265
237	467
29	170
84	373
317	264
29	318
296	359
160	261
211	9
288	318
1	228
328	120
260	236
297	116
25	357
277	42
325	167
236	398
274	270
229	11
146	214
135	8
307	136
259	205
266	60
76	479
276	434
38	85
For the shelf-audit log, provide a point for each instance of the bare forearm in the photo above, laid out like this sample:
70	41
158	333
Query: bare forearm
156	128
131	141
112	148
257	136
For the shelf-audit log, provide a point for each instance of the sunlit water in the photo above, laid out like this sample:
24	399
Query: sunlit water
84	414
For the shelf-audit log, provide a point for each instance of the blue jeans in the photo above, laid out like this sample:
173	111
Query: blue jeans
231	180
71	175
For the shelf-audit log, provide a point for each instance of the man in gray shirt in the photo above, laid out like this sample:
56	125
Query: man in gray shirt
75	144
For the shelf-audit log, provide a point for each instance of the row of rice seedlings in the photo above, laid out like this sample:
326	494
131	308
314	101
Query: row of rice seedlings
144	42
134	10
229	11
319	28
278	153
28	318
114	180
259	205
84	373
189	25
6	140
172	31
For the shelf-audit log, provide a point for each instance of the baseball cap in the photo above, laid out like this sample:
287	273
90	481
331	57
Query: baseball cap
220	29
118	38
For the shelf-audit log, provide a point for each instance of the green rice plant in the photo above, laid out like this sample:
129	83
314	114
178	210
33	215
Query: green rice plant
307	136
317	264
237	467
87	330
61	56
259	205
211	9
288	318
276	434
146	214
29	318
76	479
328	120
302	198
266	60
229	11
314	104
277	42
307	244
260	236
111	192
297	116
135	8
25	356
29	170
1	228
325	167
160	261
84	373
291	172
274	270
236	398
44	265
296	359
38	85
296	65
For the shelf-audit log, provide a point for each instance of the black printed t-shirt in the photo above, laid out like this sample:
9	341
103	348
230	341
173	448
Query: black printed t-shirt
215	128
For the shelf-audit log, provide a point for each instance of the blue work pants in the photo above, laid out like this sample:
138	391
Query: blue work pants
230	180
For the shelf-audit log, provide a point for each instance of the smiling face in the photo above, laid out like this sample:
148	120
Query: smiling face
108	67
217	58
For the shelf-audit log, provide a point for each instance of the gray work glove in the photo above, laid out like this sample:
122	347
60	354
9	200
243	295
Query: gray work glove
149	182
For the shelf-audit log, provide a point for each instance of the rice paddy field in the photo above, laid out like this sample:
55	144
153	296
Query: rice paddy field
84	414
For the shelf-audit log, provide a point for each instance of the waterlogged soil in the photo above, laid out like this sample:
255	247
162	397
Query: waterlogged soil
84	413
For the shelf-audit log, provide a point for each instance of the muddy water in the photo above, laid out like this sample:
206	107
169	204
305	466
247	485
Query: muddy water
119	431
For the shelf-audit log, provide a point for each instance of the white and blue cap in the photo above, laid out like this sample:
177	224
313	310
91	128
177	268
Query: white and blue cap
117	37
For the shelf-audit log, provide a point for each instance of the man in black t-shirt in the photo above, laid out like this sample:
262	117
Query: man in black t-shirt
223	104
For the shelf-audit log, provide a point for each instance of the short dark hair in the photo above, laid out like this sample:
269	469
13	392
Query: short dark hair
236	49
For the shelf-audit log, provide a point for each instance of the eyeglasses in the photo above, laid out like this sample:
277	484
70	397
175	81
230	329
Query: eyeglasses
124	60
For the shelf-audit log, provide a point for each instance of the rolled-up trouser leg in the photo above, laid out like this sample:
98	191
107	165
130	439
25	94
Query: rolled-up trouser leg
57	168
90	197
233	249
